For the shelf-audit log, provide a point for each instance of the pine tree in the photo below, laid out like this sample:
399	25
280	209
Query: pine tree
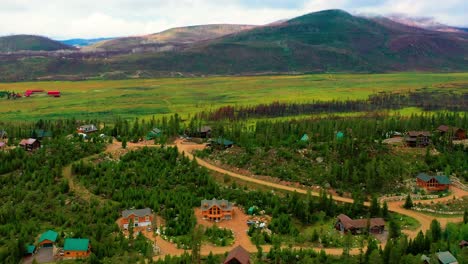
465	216
385	210
374	207
408	202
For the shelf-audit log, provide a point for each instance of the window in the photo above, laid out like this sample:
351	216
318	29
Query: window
147	218
137	219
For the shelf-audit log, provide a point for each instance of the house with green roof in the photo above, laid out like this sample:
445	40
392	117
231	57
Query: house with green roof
76	248
305	138
446	258
433	183
48	238
30	249
155	133
220	143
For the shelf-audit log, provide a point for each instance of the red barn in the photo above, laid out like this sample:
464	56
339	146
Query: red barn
54	93
433	183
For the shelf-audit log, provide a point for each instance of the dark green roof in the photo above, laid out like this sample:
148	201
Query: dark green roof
223	141
442	179
305	137
76	244
30	249
446	257
49	235
41	133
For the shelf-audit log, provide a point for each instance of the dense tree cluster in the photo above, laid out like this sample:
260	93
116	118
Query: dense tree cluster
427	100
358	158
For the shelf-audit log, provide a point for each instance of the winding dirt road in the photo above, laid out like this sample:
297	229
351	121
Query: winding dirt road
425	220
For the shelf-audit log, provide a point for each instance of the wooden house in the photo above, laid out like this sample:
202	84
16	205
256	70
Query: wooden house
238	256
216	210
87	129
453	133
76	248
140	218
418	138
48	238
358	226
446	257
155	133
30	144
433	183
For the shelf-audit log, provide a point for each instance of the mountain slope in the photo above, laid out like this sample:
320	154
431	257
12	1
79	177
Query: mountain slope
82	42
331	40
178	36
29	43
326	41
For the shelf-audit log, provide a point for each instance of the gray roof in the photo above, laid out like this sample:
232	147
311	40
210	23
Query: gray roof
224	204
205	129
446	257
88	127
136	212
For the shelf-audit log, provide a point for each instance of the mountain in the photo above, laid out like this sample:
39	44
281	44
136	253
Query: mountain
326	41
30	43
174	36
424	22
82	42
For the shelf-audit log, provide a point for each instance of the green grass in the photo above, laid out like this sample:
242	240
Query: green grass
405	222
148	97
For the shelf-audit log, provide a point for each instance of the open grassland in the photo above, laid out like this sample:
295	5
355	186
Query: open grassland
147	97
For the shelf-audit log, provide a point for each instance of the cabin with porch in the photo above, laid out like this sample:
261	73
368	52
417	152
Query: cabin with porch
217	210
418	138
48	239
139	217
345	224
433	183
30	144
76	248
453	133
238	256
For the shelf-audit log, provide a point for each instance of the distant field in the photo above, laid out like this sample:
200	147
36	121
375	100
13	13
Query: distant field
147	97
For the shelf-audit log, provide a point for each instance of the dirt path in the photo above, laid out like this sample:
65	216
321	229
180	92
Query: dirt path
77	188
424	219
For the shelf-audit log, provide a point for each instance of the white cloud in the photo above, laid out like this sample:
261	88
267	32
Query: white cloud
101	18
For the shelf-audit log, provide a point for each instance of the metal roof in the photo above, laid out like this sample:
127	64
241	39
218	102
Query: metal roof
76	244
446	257
442	179
136	212
48	235
224	204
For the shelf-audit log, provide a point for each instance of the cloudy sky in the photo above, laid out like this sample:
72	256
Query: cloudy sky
61	19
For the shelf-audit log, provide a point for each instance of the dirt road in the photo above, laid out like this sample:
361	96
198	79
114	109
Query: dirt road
424	219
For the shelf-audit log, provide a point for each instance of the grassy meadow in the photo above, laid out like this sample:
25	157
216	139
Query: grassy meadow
147	97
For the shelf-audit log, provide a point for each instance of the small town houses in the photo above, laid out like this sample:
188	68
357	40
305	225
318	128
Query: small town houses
433	183
216	210
86	129
47	244
139	218
345	224
30	144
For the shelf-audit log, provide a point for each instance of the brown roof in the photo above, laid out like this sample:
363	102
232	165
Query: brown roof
28	141
463	243
359	223
419	133
2	144
239	254
443	128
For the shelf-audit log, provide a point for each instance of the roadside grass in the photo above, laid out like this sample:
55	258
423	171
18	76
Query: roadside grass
147	97
405	222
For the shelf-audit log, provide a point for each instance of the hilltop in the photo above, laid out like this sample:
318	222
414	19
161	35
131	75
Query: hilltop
174	36
30	43
326	41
